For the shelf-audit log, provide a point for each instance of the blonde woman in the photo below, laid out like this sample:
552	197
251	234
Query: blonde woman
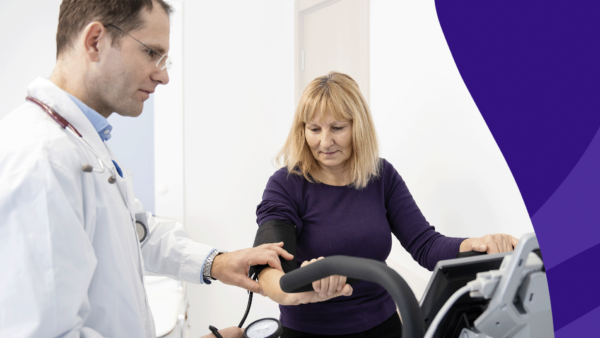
343	199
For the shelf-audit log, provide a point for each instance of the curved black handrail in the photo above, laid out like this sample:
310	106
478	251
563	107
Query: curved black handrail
371	270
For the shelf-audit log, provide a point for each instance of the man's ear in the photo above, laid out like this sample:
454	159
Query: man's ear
95	37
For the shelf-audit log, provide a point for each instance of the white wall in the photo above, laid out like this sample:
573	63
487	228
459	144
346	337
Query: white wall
432	132
238	106
28	37
132	140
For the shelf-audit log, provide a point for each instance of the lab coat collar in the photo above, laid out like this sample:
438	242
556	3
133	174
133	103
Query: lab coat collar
49	93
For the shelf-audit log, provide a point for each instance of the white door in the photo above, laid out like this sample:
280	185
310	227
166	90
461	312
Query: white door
332	35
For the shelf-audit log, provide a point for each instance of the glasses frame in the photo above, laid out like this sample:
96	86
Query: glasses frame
168	61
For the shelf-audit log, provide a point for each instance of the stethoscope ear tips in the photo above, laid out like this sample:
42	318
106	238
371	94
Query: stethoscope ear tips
112	179
87	168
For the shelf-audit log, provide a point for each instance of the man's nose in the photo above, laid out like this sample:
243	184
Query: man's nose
162	76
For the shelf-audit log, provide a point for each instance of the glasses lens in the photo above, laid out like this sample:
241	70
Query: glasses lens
164	62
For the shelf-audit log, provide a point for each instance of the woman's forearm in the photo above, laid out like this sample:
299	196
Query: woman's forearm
269	282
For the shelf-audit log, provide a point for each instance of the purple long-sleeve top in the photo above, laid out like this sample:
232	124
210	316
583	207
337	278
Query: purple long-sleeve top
341	220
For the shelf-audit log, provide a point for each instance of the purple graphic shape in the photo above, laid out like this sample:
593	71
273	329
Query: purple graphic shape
574	242
574	214
533	69
581	327
576	282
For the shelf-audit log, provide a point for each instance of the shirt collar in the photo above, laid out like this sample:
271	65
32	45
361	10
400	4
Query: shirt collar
99	122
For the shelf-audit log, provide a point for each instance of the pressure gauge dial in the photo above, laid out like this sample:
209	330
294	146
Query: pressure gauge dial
264	328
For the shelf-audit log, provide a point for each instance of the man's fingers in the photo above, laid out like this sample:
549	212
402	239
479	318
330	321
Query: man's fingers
274	262
281	252
268	245
278	248
304	264
262	257
249	285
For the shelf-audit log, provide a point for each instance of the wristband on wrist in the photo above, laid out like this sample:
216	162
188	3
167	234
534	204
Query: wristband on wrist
207	269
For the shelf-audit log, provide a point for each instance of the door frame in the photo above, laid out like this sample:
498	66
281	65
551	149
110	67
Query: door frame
301	9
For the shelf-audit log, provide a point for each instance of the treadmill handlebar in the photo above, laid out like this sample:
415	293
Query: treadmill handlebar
363	269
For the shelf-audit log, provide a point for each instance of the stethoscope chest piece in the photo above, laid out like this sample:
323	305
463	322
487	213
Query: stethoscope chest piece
87	168
264	328
142	230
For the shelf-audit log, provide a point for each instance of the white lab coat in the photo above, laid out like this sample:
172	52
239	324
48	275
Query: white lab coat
70	262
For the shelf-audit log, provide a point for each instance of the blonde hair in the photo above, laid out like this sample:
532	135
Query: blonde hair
339	95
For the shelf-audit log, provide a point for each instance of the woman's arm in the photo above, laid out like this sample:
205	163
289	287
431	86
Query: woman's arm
326	288
418	237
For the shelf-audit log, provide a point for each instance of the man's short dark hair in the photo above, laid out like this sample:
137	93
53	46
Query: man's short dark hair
75	15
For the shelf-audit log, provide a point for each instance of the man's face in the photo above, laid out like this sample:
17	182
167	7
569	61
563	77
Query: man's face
128	74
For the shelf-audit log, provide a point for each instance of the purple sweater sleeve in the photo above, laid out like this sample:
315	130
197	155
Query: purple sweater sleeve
281	200
408	224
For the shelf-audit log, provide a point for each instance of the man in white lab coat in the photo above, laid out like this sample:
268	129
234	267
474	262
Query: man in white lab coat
71	262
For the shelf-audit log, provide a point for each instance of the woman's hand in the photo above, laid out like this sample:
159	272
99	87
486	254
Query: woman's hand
490	244
330	287
230	332
325	289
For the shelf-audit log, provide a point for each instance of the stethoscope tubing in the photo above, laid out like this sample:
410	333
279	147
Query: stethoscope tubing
69	127
86	167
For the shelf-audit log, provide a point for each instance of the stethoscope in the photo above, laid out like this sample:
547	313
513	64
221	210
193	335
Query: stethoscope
88	168
262	328
140	228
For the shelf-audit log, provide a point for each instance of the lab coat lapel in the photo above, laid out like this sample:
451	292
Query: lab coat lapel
49	93
130	196
127	188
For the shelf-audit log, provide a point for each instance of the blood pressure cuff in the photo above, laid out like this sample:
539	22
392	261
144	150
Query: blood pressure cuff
276	231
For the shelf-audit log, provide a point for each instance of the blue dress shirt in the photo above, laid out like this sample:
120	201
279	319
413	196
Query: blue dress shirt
99	122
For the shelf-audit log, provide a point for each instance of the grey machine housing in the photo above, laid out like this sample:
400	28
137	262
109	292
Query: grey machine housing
519	305
519	300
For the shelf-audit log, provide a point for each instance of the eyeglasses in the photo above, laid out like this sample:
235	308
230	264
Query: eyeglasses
163	62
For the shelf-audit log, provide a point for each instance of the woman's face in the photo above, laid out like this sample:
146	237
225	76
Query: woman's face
330	141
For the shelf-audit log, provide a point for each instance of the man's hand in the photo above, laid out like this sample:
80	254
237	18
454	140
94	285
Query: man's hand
325	289
230	332
232	268
490	244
